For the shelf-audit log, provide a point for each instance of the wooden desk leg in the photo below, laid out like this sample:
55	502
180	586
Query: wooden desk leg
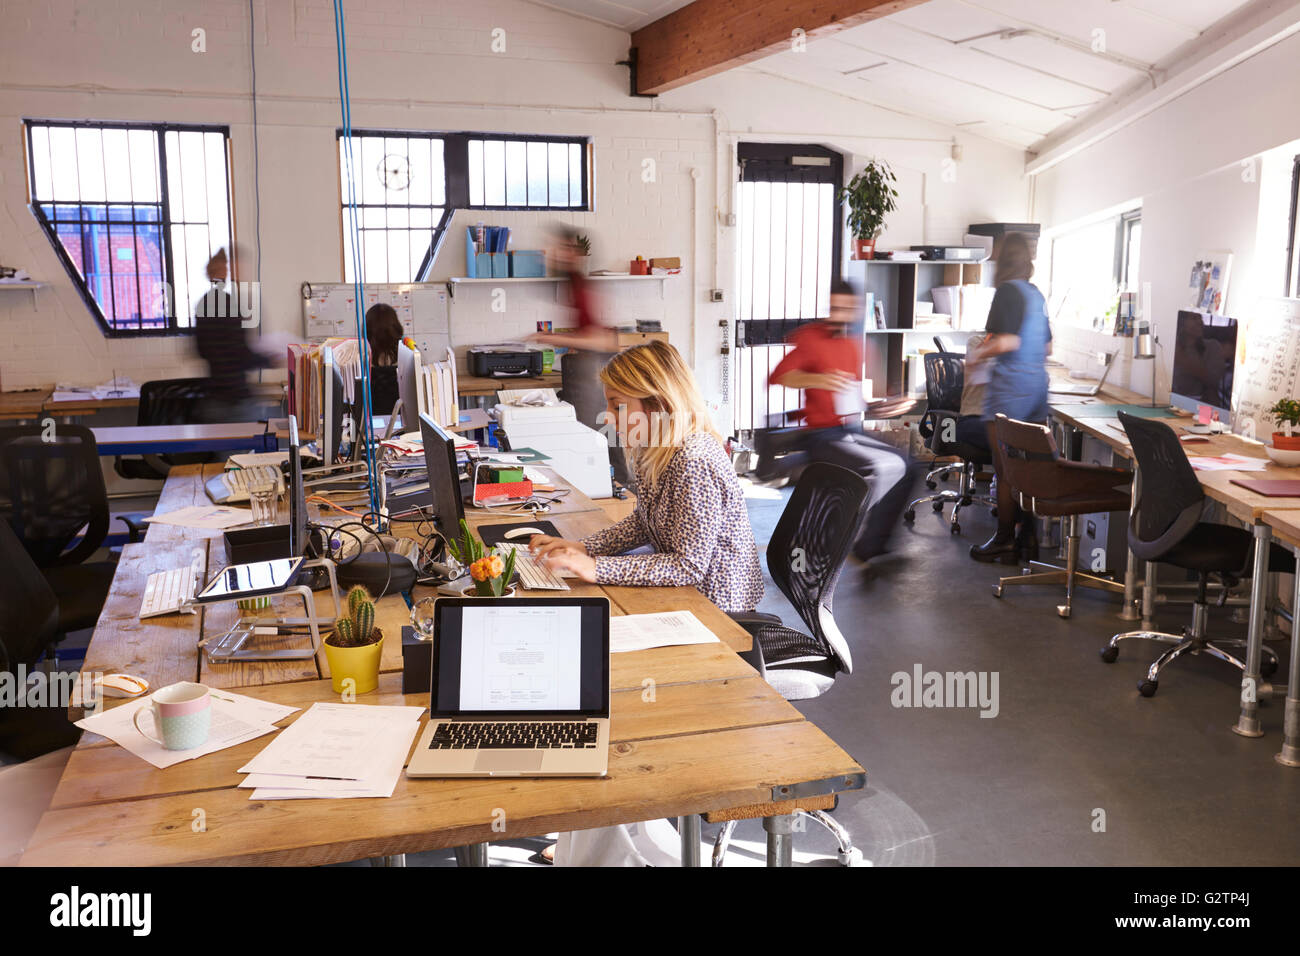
475	854
689	828
1290	753
780	841
1247	724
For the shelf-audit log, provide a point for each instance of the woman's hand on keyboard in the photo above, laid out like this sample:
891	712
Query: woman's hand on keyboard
568	559
543	544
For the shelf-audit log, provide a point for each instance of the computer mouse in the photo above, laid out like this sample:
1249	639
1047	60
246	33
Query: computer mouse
521	533
123	685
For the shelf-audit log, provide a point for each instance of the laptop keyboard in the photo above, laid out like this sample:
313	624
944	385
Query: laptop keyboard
525	735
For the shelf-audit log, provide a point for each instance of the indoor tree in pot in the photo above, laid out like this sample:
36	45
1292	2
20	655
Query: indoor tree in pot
356	646
491	572
870	196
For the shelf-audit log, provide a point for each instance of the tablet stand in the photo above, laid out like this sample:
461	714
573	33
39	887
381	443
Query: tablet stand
231	645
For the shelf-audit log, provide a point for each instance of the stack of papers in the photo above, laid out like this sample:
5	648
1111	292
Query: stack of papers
235	719
204	517
335	751
639	632
1228	462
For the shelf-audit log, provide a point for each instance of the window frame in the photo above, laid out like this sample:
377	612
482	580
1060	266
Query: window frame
165	221
1292	289
455	162
1124	223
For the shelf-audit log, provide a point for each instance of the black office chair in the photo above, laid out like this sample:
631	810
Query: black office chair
804	556
29	630
1166	526
52	495
945	377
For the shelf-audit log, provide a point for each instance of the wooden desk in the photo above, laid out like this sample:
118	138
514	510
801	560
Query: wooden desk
23	406
164	439
713	738
1240	503
476	386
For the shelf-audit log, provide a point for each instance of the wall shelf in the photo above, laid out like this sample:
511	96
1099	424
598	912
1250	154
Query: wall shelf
507	280
26	286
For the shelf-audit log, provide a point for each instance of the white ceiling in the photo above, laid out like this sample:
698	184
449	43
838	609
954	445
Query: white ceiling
1007	70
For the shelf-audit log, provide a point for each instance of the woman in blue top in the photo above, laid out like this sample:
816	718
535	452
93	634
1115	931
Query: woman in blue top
1018	344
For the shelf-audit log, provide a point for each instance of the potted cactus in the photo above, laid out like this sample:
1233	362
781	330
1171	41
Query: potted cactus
870	196
355	647
491	572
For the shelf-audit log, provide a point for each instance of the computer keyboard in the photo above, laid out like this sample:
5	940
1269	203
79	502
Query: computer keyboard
524	735
232	486
167	592
533	573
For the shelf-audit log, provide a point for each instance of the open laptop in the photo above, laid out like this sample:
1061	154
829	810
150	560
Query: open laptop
520	688
1070	388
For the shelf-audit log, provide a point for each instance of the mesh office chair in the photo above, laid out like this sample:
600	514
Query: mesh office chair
804	556
53	497
29	629
1048	485
945	377
1166	526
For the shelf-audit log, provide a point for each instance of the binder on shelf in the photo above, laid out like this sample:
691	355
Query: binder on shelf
306	373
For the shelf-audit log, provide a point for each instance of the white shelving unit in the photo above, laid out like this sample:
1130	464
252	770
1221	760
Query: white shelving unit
455	281
26	286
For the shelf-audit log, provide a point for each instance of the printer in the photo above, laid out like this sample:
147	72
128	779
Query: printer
500	361
536	418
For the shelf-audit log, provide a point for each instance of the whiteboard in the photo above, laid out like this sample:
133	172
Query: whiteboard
1268	364
329	310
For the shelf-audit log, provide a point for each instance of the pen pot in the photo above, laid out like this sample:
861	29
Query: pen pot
360	664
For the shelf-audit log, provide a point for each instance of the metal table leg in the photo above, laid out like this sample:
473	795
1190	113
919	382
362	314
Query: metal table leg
398	859
474	854
1129	611
1247	724
689	829
1149	598
1290	753
780	842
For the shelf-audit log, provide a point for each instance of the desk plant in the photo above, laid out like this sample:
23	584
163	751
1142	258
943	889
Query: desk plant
491	572
356	646
870	196
1287	414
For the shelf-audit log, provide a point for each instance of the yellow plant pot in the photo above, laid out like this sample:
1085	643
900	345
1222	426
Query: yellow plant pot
361	664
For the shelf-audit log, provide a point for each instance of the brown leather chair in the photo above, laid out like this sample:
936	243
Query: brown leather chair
1048	485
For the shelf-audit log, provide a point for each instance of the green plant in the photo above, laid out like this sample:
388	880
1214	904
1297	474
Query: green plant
870	196
1286	410
583	242
357	628
491	573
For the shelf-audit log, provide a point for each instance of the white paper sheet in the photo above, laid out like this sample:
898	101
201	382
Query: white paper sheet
250	459
1227	462
638	632
204	517
334	741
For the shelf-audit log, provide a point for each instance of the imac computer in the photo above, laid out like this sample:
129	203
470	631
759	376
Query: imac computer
1205	355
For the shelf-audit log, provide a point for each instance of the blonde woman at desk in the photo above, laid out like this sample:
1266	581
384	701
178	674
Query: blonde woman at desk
690	513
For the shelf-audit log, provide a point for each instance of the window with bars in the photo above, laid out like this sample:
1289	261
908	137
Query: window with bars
790	220
408	184
134	212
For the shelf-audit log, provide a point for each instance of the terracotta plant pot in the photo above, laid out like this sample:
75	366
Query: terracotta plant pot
1286	442
361	664
864	248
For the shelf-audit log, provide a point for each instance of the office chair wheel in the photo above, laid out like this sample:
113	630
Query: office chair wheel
931	484
955	529
1267	666
937	505
997	590
909	515
1110	654
965	502
1148	687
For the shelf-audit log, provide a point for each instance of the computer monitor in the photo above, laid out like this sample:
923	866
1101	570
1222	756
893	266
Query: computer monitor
444	480
333	409
1205	354
409	373
297	495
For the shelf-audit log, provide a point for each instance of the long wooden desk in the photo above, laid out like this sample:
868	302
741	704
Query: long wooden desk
173	439
1240	503
712	738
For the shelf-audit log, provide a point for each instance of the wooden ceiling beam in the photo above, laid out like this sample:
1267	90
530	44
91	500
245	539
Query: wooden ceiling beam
710	36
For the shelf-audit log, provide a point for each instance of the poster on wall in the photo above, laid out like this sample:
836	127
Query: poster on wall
1207	286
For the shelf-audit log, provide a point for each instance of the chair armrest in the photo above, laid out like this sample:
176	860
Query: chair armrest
933	420
754	656
135	526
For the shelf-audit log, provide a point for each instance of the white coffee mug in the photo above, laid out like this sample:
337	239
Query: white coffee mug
182	714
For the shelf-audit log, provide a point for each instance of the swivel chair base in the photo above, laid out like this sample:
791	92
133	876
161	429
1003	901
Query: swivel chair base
1193	640
1069	575
963	497
846	854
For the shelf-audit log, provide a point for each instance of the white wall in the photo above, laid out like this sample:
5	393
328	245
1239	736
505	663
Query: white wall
427	65
1211	171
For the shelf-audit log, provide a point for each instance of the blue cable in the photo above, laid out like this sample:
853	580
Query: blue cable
345	105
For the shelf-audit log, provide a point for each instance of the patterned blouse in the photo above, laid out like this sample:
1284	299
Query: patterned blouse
695	519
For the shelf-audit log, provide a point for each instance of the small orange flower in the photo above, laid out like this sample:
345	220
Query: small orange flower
496	565
479	570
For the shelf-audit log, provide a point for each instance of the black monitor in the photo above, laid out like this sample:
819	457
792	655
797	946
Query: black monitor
297	495
444	479
1205	355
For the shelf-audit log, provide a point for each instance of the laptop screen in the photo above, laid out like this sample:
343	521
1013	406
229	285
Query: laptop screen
530	657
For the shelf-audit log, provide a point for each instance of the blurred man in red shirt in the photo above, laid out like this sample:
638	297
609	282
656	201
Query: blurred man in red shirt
827	364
